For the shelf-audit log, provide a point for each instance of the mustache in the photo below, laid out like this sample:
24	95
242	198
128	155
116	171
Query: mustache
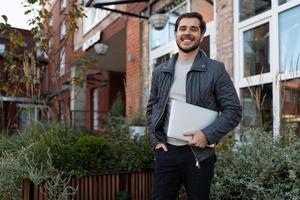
187	37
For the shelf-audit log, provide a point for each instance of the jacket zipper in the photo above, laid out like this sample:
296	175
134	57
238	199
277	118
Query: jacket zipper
186	93
196	159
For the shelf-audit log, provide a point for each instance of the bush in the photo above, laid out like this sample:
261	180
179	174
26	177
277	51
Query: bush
259	167
90	152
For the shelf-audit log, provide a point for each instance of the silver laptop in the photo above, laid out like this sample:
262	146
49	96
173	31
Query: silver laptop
186	117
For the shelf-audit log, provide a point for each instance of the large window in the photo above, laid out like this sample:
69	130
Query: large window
290	95
267	63
257	106
289	40
256	51
250	8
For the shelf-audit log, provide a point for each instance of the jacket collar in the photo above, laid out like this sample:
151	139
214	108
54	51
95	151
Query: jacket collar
199	64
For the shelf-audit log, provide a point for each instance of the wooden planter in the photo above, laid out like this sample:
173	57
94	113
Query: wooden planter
138	185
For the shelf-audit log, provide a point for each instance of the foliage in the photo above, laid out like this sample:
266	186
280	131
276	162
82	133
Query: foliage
91	152
57	188
19	163
259	167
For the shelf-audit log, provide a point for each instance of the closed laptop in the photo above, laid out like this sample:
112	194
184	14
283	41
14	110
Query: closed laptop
186	117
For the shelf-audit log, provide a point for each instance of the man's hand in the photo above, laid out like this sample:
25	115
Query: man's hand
199	139
161	145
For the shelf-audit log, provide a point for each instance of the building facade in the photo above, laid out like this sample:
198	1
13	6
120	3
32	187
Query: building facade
256	39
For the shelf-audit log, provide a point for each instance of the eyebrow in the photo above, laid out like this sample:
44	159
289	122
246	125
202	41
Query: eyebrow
184	26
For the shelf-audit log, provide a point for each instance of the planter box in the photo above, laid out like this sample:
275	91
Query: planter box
138	185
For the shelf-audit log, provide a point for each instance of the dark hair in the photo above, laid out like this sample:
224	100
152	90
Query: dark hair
192	15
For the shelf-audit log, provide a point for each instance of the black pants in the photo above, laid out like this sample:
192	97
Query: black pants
176	167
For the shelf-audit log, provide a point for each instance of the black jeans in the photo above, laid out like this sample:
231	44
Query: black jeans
176	167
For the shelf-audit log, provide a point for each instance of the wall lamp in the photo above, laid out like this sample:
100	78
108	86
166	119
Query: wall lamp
101	48
158	20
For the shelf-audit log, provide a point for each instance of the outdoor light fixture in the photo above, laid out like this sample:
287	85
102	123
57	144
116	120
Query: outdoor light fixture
158	20
101	48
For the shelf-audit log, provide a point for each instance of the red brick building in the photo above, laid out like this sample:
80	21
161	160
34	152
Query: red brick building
20	105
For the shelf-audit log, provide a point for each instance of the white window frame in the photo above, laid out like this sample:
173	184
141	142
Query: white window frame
62	61
274	77
93	17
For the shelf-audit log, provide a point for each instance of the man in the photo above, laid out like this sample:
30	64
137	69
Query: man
191	77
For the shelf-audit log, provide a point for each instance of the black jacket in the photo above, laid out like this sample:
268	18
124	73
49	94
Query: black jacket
207	85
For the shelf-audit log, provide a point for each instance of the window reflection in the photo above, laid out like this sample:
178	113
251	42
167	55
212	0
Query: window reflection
289	40
250	8
256	51
290	97
283	1
257	106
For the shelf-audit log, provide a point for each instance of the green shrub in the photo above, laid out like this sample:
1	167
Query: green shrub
259	167
90	153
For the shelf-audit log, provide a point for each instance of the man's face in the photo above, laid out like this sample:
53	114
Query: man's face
188	35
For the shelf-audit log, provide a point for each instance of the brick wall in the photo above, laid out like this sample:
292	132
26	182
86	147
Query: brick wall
204	8
134	71
133	68
224	34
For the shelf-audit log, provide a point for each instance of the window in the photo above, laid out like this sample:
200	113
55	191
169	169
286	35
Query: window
257	106
290	111
62	30
267	63
289	40
283	1
256	51
93	17
167	34
161	59
62	64
250	8
96	116
63	4
2	49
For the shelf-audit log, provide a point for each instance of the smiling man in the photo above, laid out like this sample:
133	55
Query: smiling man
190	77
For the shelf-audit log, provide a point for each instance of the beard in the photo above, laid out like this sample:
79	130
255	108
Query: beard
188	49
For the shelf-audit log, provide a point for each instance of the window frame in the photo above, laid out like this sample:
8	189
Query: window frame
274	76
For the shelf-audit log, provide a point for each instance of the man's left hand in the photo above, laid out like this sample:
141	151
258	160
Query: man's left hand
199	139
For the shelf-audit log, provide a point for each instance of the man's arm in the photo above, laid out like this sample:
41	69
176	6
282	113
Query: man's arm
151	101
229	104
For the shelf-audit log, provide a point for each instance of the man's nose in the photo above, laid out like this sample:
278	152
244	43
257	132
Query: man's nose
187	31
